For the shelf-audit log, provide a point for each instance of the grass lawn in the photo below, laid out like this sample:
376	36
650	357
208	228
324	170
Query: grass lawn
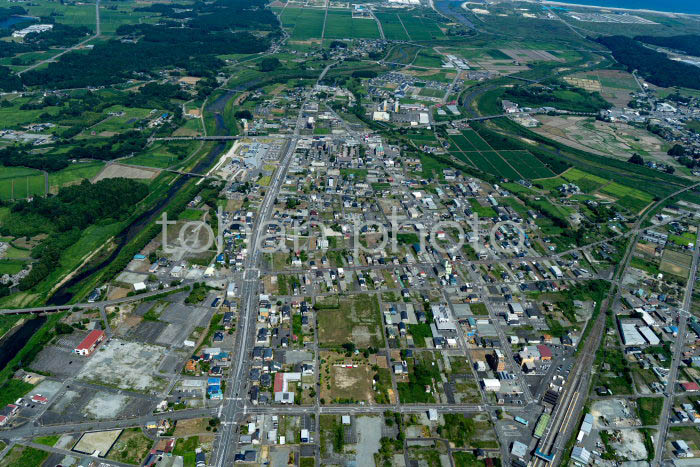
467	459
649	409
24	456
11	266
356	320
185	447
420	332
47	440
13	390
428	59
131	447
431	92
190	214
20	183
75	173
7	322
482	211
685	239
479	309
358	174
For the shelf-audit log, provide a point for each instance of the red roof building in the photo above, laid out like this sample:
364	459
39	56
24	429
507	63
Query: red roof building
90	343
39	399
545	352
691	387
279	381
3	420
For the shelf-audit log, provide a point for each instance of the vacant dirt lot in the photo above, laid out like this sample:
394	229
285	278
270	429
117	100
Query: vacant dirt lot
119	170
126	365
608	139
97	441
343	378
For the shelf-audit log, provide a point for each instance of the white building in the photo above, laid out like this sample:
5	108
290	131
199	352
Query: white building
491	384
34	28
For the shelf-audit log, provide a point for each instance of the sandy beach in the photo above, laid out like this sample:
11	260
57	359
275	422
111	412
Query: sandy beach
609	8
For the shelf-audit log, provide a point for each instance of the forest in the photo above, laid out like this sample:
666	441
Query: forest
8	80
689	44
66	215
61	35
151	47
119	145
220	15
558	94
5	13
654	66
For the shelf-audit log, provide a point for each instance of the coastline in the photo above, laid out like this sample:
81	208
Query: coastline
628	10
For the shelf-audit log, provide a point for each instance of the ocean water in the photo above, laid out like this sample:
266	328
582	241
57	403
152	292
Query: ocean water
673	6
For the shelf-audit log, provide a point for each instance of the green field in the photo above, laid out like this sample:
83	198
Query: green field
627	197
419	28
8	266
427	58
476	140
526	164
585	181
305	23
341	25
81	14
75	173
118	123
393	29
21	183
431	92
162	155
471	148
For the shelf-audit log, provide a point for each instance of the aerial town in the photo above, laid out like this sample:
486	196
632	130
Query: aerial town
398	233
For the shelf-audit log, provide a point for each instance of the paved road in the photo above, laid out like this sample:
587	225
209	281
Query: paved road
684	312
198	138
553	257
572	399
227	443
133	298
74	47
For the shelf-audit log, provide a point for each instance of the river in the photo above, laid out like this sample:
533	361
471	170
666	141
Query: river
453	9
63	295
14	342
12	20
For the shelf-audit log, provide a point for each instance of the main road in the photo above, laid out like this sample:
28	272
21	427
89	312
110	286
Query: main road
683	314
97	34
236	390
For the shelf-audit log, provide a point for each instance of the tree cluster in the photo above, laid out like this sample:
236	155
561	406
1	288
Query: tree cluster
66	215
654	66
151	47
